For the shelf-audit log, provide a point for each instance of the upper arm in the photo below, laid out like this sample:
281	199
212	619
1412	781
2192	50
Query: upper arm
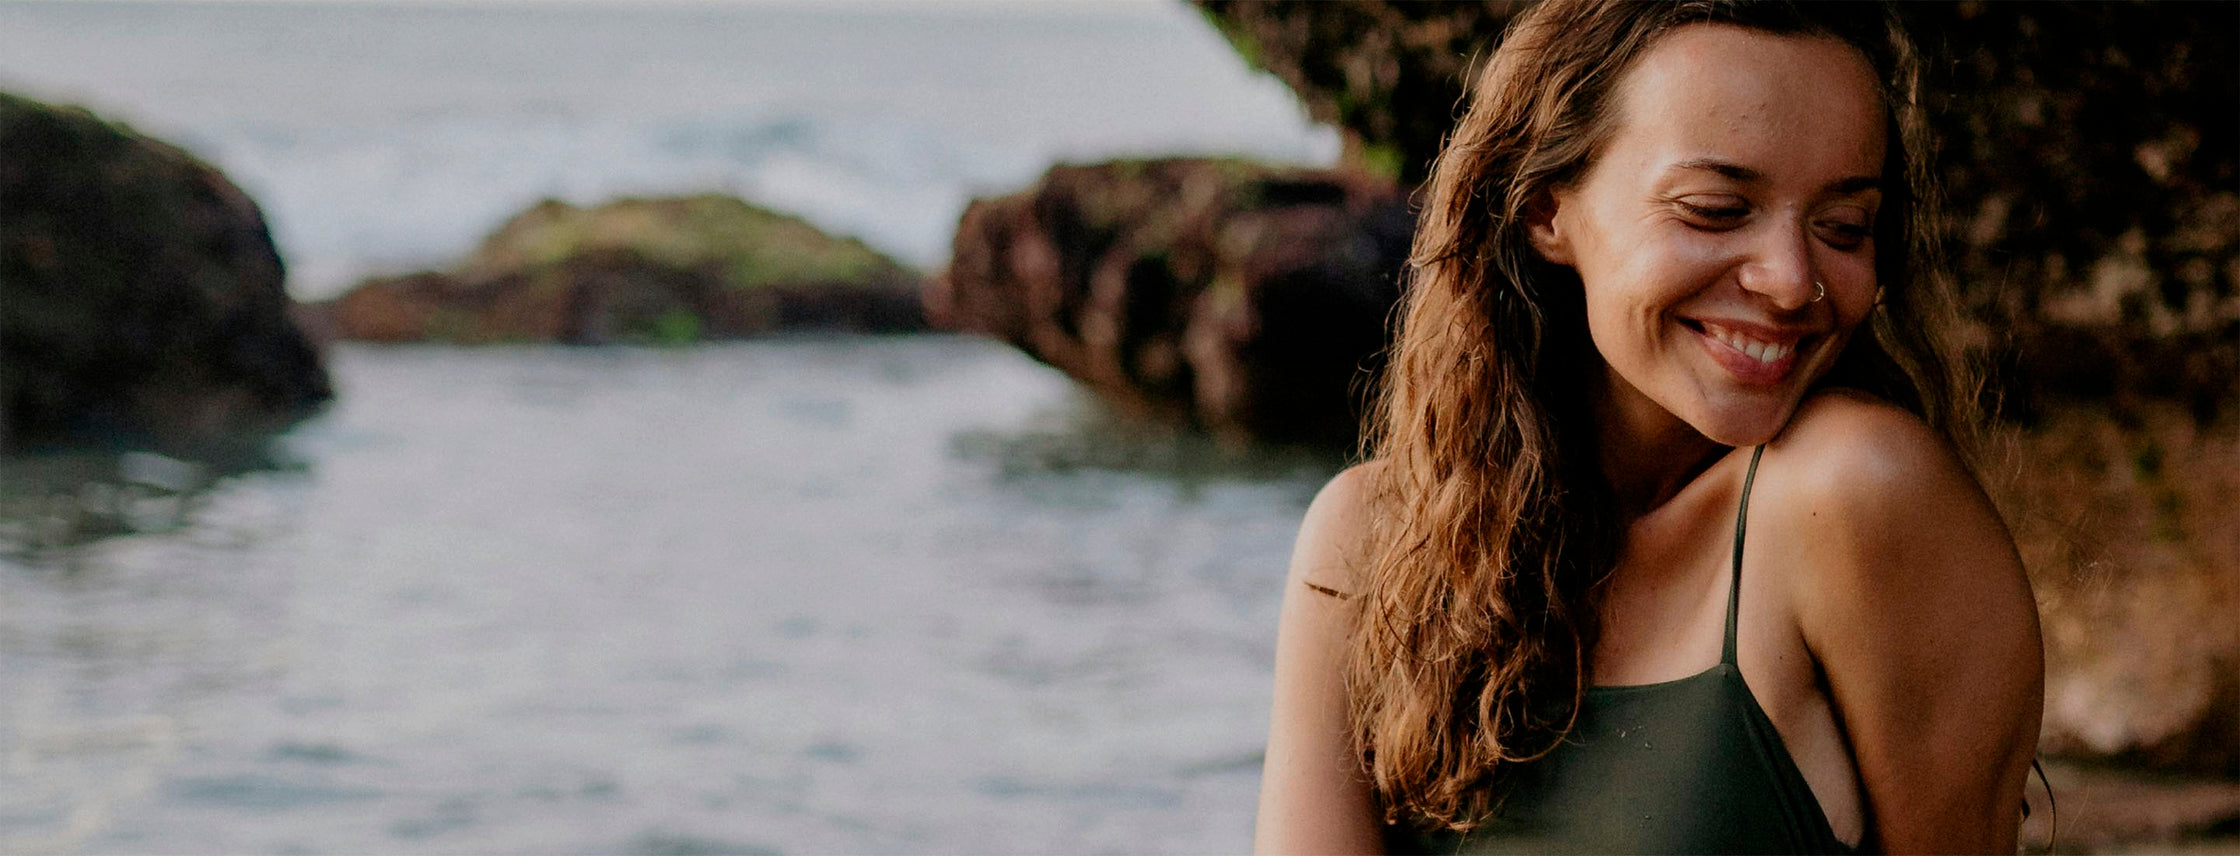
1921	618
1314	797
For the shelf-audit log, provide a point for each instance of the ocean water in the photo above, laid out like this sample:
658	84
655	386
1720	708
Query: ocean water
804	595
386	137
825	595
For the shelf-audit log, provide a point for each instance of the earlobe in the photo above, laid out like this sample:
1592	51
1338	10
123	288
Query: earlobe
1542	229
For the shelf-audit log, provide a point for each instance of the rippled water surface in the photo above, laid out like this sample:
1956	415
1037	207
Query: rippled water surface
833	595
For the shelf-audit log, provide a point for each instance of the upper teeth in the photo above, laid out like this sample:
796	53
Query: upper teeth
1764	352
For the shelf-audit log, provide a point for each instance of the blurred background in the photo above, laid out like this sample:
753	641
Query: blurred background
861	427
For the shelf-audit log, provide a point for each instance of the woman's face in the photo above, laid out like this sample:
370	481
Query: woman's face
1744	168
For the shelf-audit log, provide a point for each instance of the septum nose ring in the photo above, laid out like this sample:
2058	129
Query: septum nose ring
1818	291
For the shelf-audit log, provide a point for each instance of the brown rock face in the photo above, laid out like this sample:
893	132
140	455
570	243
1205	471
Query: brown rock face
1246	298
2132	534
140	296
1388	74
2092	166
638	270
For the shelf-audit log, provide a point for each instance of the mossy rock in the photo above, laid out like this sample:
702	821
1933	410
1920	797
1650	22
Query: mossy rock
752	247
649	271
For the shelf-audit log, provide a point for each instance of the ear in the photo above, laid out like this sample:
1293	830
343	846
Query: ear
1544	228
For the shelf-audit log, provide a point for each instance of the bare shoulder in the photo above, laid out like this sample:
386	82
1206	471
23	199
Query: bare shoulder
1885	503
1862	449
1333	546
1313	797
1911	599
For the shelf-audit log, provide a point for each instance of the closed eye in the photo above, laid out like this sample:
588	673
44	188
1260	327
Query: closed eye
1713	216
1842	235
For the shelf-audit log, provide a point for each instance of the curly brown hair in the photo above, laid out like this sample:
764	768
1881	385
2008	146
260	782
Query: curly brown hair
1495	526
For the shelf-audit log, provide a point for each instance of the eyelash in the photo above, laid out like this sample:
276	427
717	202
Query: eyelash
1723	215
1849	230
1721	212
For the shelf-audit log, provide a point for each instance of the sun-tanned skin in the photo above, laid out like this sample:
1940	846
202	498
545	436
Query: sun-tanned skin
1886	626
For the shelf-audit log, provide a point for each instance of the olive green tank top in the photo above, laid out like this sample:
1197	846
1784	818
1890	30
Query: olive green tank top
1685	766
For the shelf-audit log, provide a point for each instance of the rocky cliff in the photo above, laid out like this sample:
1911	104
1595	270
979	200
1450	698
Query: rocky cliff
1250	300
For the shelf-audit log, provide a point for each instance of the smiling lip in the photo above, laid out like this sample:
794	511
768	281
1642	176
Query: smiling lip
1755	354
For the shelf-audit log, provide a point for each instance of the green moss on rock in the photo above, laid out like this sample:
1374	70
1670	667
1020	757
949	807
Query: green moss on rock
656	271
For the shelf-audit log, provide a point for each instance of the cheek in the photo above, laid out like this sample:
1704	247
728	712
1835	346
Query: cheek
1632	302
1854	294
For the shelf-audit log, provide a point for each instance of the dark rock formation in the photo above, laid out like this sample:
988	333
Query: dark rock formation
1388	74
1247	298
638	270
2091	164
140	295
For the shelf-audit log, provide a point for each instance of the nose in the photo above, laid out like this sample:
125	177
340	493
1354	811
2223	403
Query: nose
1780	267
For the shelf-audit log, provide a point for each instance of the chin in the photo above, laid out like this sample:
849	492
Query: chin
1744	424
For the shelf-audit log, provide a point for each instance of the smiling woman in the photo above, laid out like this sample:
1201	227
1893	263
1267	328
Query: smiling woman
1673	273
1737	196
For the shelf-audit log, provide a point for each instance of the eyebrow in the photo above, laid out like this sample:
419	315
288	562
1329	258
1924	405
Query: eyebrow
1738	172
1734	171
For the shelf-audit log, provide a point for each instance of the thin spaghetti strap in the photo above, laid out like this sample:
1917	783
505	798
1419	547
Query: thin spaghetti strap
1734	589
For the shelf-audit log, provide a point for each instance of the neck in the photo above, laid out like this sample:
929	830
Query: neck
1647	453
